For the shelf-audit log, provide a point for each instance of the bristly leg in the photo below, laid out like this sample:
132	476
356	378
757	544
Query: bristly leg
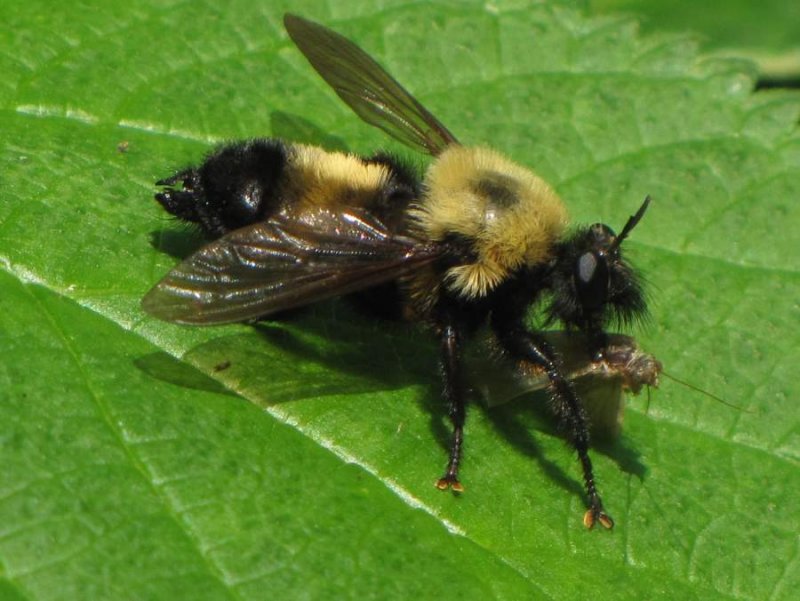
456	403
525	346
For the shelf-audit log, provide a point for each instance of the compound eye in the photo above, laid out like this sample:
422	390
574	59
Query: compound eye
587	265
591	279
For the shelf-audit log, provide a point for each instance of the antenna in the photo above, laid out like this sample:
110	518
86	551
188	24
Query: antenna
632	221
708	394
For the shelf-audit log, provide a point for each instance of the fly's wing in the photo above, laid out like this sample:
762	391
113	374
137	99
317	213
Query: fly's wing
367	88
283	263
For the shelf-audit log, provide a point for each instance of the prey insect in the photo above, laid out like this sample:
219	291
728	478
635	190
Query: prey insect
601	381
476	240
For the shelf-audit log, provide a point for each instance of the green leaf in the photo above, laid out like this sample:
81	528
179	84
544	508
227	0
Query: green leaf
296	459
768	32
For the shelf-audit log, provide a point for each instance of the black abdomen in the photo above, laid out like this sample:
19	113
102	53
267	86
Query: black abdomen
246	182
237	185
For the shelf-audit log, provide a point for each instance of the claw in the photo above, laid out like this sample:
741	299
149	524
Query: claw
449	481
596	514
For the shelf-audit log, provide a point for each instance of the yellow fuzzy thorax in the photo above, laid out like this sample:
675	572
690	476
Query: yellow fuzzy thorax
511	216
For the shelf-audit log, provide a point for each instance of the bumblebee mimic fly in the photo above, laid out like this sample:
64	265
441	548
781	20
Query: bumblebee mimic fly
476	240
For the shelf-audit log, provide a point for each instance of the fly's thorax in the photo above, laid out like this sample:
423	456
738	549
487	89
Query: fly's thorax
509	217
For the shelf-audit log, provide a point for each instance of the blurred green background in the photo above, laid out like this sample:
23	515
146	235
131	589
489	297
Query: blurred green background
766	32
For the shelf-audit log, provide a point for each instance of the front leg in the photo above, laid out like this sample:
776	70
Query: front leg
597	339
523	345
451	340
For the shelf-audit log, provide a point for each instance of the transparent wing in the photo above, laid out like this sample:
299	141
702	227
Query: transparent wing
367	88
283	263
